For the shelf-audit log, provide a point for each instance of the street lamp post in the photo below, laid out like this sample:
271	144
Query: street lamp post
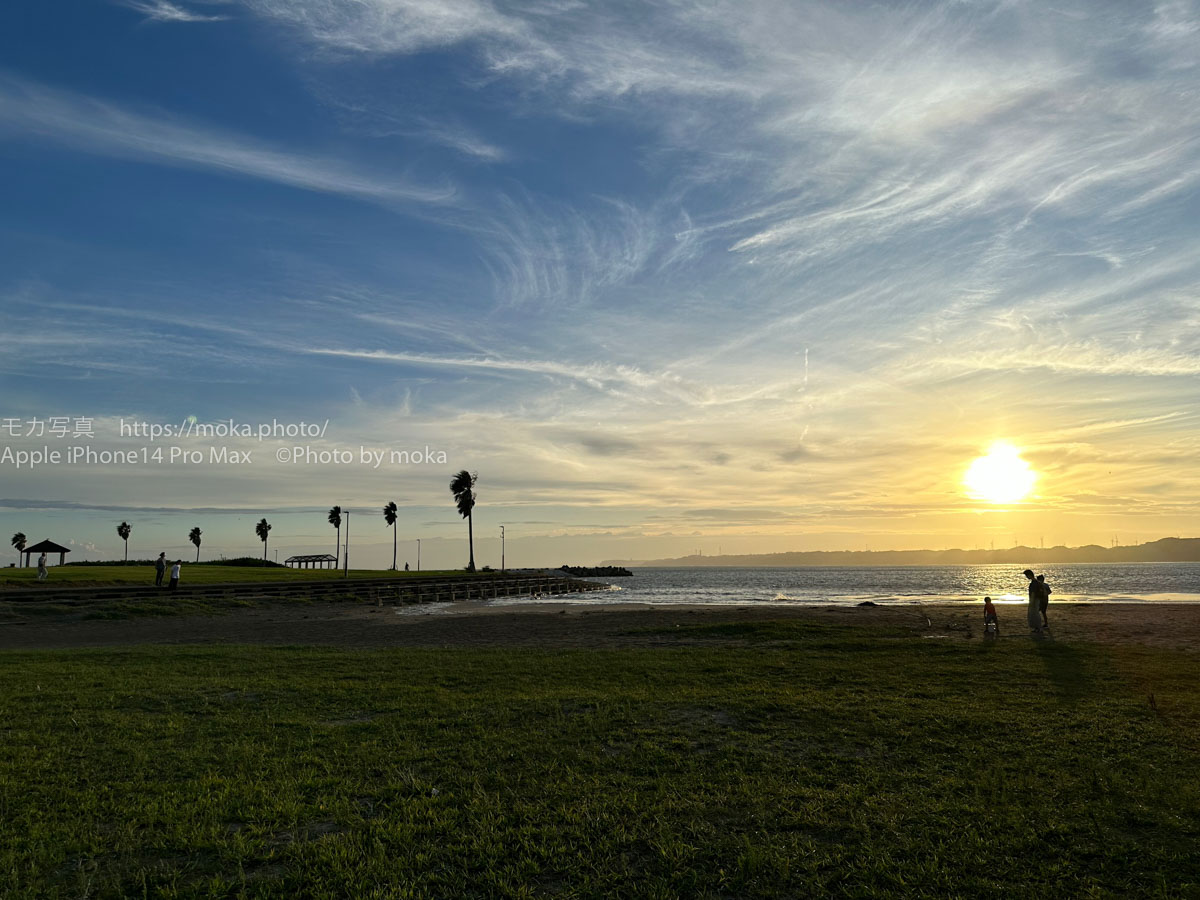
418	554
501	548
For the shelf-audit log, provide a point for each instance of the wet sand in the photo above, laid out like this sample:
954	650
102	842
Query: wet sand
554	625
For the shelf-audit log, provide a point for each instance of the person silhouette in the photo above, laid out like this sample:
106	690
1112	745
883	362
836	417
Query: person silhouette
1034	614
991	623
1044	601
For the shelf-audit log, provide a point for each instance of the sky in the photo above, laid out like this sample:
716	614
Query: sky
671	278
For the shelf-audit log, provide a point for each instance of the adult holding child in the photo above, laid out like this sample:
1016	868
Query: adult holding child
1044	602
1036	589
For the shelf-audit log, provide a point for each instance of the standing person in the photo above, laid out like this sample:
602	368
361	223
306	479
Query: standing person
990	617
160	568
1034	615
42	573
1044	603
175	575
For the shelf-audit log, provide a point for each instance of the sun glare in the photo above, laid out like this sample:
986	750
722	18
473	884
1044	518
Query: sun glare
1000	477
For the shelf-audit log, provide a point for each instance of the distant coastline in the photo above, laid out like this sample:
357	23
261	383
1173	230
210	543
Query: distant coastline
1165	550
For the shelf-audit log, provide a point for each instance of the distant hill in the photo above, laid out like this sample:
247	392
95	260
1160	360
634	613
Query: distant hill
1165	550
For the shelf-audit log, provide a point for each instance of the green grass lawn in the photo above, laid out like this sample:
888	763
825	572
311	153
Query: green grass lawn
805	761
192	573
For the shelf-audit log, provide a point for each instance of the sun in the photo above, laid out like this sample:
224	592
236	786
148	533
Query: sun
1000	477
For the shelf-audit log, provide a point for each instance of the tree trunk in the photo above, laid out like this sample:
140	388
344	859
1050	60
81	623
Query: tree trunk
337	550
471	544
393	548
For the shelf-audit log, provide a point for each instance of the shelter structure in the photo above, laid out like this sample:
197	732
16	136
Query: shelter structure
312	561
47	546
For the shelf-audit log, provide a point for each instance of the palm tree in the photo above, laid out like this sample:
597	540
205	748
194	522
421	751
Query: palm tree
335	519
262	529
194	537
462	486
19	542
124	530
389	516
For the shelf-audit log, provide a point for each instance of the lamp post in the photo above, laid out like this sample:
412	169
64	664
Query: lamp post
501	548
418	554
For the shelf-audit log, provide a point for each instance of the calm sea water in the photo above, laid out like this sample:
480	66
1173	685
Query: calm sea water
1072	582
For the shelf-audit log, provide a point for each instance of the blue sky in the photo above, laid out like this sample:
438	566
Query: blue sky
749	276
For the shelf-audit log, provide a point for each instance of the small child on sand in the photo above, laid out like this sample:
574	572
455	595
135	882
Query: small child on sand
991	624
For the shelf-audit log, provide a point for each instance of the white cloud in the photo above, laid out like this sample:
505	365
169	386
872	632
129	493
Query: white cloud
390	26
165	11
94	126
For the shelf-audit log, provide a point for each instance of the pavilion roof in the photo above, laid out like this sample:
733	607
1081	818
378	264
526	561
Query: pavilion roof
47	546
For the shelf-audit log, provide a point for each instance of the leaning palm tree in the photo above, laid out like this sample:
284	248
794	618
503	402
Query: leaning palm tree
124	530
389	516
194	537
462	486
335	519
262	529
19	542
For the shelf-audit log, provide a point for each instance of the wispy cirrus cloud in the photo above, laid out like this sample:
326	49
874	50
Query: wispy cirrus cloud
382	26
31	110
166	11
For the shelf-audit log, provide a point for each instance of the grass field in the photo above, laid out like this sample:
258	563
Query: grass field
767	760
192	573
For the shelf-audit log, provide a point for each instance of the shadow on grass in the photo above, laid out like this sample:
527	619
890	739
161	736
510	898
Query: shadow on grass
1065	669
775	632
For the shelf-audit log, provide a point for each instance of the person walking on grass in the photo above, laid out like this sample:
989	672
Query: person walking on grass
1034	614
175	575
1044	602
160	568
42	573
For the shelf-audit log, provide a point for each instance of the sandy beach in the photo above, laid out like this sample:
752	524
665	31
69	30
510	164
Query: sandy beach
560	625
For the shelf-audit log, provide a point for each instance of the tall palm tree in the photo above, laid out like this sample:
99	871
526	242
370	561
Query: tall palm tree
462	486
194	537
389	516
124	530
19	542
335	519
262	529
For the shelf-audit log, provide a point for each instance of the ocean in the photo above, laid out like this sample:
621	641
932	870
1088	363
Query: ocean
1072	583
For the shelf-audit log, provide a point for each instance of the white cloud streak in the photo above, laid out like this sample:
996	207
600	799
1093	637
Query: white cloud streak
93	126
165	11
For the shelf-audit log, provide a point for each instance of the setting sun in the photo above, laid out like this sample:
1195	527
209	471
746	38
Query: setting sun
1000	477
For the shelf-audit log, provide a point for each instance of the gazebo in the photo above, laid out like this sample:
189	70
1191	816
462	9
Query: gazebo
312	561
48	546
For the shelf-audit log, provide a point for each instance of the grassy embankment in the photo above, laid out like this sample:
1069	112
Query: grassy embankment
166	603
192	573
780	759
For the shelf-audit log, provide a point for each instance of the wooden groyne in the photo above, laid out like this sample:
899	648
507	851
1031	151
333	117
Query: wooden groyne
407	589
